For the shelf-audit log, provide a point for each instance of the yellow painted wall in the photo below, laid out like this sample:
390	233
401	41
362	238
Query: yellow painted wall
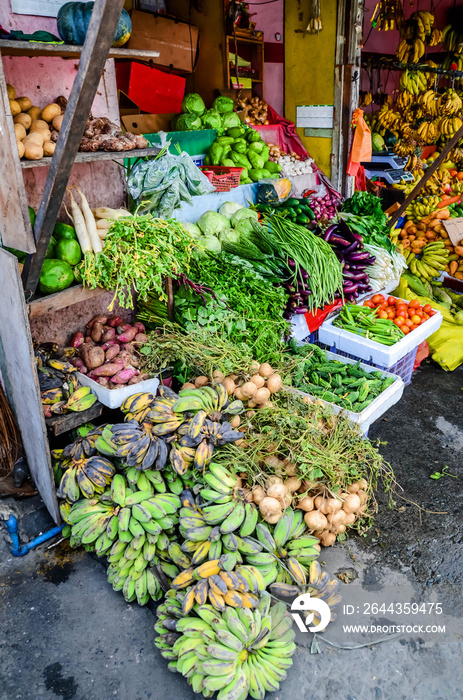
309	70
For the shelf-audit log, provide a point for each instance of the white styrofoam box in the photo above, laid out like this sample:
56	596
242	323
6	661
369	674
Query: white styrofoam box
112	398
299	327
366	349
377	407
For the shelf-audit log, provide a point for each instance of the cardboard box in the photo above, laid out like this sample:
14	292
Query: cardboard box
146	123
151	89
177	42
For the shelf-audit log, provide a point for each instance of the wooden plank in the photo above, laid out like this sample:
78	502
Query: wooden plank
22	384
61	300
100	33
61	424
99	155
427	175
33	48
15	225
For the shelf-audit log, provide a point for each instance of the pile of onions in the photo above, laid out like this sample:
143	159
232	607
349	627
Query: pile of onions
328	517
349	250
276	496
325	207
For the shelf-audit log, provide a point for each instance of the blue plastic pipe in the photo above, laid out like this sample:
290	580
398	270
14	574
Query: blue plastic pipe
19	551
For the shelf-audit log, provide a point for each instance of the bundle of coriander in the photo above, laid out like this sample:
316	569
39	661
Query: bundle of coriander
139	252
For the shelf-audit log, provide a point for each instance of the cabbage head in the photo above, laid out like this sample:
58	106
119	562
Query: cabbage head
211	223
194	230
188	122
230	119
210	243
193	104
243	214
228	209
229	235
211	120
244	227
223	104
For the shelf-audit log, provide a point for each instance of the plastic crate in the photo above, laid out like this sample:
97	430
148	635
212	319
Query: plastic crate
114	397
195	143
378	406
224	179
403	368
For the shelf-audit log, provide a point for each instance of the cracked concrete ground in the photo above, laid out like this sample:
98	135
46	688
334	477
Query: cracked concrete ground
64	633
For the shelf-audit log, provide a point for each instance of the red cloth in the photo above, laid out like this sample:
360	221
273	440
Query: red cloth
360	180
422	352
315	318
291	141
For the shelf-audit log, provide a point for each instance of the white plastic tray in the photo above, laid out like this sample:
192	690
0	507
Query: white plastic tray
114	397
366	349
377	407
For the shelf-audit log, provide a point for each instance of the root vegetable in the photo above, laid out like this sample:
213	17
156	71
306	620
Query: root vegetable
138	378
322	504
277	491
273	519
258	493
333	505
252	403
239	394
14	108
80	226
235	422
292	484
21	149
315	520
188	385
103	381
218	376
48	148
273	480
24	120
306	504
97	333
341	529
39	125
93	357
114	321
265	370
58	121
353	488
79	363
24	102
140	326
140	338
255	366
123	376
128	335
249	414
274	383
111	353
201	381
327	538
337	519
90	222
229	385
34	113
349	519
262	395
109	369
32	151
351	503
363	497
269	507
77	339
248	390
108	334
20	132
50	111
35	137
257	380
11	91
286	501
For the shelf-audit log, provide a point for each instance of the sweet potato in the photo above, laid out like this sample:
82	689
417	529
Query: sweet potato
443	214
140	326
108	335
114	321
453	267
123	376
125	357
97	319
97	332
138	378
111	353
89	340
93	357
111	343
140	338
122	327
107	370
79	363
103	381
128	335
77	339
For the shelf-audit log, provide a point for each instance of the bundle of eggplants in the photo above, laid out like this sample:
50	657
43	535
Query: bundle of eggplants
348	248
299	293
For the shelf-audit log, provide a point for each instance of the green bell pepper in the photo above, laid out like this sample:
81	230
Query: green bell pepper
216	152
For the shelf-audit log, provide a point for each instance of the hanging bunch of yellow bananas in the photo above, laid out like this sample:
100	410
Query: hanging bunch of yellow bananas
428	132
450	103
415	33
387	14
365	98
449	126
431	103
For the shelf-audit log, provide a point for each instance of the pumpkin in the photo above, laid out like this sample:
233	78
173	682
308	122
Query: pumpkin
73	20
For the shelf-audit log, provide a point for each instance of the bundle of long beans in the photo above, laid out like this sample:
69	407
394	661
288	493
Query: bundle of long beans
10	438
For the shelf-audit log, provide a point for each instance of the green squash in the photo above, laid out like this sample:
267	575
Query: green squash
69	251
51	248
73	20
64	231
55	276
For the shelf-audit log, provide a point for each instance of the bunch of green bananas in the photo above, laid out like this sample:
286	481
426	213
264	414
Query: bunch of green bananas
413	81
419	209
434	258
236	653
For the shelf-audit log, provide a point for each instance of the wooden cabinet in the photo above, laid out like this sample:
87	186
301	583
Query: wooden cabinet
252	51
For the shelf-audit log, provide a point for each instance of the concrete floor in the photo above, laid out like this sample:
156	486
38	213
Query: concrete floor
65	634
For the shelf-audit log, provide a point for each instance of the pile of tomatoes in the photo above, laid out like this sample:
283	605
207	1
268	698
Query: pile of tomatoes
406	315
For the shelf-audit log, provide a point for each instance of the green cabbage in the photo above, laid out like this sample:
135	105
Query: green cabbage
210	243
229	235
243	214
211	120
193	104
188	122
193	229
230	119
211	223
228	209
244	227
223	104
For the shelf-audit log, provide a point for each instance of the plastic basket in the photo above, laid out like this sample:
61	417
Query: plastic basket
224	179
114	397
403	368
378	406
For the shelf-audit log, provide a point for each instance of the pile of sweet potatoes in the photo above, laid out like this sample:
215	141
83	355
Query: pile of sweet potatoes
107	352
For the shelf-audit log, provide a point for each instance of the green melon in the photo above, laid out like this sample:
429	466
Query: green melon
69	251
55	276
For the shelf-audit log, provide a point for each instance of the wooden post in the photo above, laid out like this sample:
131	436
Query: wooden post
103	23
428	174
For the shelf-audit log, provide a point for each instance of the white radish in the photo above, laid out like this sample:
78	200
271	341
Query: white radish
80	226
92	230
108	213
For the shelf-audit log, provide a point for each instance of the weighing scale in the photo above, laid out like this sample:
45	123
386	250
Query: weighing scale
389	167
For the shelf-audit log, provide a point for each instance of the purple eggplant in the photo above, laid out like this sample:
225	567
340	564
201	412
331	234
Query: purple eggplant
357	276
302	310
339	240
360	255
358	237
350	287
353	246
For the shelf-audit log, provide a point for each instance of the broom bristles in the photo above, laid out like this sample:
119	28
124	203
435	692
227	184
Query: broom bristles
10	437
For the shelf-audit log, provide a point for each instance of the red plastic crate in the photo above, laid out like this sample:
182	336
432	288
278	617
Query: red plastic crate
224	179
151	89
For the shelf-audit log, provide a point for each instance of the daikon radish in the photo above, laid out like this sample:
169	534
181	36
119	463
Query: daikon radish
108	213
90	222
79	225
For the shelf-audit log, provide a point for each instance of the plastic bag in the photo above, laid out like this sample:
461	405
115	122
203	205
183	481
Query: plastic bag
273	191
361	146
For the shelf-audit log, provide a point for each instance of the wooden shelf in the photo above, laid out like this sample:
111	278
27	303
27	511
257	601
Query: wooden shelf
61	300
97	155
246	40
62	423
33	48
245	77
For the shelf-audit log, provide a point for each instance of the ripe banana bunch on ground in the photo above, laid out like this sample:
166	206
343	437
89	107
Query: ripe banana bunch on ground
450	103
433	259
417	210
239	652
449	126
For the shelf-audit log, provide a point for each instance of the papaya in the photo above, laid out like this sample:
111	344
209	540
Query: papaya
51	248
55	276
64	231
69	251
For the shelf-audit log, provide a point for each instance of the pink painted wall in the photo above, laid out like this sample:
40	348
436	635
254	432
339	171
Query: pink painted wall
269	19
43	79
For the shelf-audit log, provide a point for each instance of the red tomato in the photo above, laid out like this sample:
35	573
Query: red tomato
427	308
423	320
399	302
402	317
414	304
382	314
401	310
391	301
398	322
408	323
391	315
405	329
369	304
413	326
411	312
432	312
377	299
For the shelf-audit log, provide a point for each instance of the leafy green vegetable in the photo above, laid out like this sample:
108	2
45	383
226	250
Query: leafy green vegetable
229	208
193	104
188	122
230	119
230	235
223	105
211	120
210	243
212	223
366	204
243	214
193	229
